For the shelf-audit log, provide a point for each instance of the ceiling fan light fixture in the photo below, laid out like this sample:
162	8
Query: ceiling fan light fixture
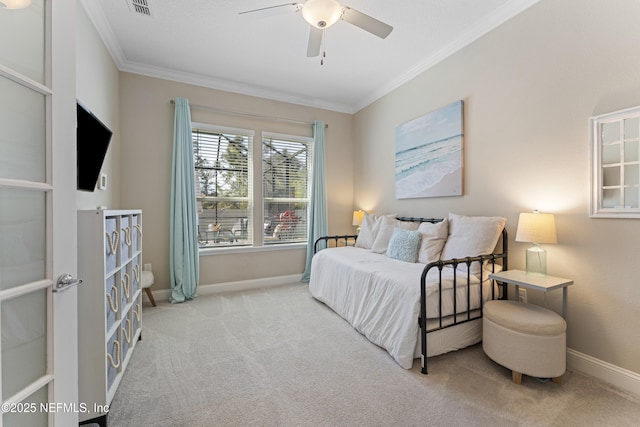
14	4
322	13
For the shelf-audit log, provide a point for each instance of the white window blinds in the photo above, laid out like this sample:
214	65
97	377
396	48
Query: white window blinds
223	186
286	173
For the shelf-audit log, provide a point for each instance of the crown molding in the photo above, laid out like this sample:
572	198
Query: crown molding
99	21
229	86
499	17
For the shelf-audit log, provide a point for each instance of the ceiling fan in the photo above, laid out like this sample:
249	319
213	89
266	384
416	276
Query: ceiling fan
321	14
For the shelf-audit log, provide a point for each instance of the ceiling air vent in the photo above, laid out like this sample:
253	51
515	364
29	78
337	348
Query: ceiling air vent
141	7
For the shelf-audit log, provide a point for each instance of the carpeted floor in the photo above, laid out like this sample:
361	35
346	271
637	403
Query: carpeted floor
277	357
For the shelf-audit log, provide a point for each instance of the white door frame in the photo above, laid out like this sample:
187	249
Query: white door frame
64	218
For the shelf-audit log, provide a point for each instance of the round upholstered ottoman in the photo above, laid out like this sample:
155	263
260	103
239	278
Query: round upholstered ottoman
528	339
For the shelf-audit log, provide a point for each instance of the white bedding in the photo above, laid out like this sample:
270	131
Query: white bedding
385	306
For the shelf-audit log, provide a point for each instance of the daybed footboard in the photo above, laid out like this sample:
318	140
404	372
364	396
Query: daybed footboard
465	276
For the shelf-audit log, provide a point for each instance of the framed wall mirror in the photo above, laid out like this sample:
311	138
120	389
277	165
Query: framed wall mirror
615	164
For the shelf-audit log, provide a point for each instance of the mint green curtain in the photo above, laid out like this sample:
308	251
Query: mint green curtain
318	207
184	262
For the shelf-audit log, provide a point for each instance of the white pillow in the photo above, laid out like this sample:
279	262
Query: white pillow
387	225
472	236
369	230
408	225
434	236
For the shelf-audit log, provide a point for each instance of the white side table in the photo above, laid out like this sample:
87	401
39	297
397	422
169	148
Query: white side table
532	281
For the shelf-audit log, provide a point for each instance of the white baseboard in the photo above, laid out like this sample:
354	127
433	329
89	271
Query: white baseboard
243	285
246	285
612	374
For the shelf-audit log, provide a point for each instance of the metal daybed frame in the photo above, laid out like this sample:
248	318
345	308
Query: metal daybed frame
458	318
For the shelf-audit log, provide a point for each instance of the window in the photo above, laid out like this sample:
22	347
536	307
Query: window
615	180
222	159
224	172
286	177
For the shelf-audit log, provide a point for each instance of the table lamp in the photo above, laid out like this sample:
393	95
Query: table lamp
14	4
357	218
536	228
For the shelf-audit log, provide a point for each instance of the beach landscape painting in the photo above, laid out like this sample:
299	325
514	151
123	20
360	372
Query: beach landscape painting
429	154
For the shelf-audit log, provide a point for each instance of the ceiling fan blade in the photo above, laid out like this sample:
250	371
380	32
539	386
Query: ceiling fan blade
366	22
315	40
272	10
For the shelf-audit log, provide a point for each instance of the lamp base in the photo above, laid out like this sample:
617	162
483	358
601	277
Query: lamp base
536	261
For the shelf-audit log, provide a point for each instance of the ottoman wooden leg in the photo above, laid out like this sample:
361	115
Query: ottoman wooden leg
150	296
516	377
556	380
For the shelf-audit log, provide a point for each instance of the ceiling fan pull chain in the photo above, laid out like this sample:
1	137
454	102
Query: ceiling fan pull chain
324	48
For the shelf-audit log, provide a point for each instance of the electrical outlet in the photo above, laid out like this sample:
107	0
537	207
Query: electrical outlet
522	295
147	267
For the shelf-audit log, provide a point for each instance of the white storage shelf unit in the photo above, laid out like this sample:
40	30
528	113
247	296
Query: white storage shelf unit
109	300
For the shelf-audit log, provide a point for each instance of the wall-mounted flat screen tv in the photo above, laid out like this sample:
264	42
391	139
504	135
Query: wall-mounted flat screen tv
92	142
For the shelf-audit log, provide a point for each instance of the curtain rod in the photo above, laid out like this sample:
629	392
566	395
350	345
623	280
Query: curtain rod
255	116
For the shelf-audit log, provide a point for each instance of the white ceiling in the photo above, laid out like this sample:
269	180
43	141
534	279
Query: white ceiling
206	42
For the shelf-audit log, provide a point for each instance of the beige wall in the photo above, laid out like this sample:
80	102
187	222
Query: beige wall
529	88
97	83
147	127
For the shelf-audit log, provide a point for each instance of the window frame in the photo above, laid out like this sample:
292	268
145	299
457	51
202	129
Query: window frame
206	127
308	141
255	173
599	166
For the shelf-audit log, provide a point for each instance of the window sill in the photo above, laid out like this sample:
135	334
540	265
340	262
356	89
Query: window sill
250	249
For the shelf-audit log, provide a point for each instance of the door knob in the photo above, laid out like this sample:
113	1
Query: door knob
65	282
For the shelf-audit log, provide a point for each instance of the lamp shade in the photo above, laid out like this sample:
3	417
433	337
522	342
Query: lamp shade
357	217
14	4
536	228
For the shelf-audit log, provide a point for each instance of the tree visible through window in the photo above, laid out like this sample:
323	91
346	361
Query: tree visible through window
224	171
223	187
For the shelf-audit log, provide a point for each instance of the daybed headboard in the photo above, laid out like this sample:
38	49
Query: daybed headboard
501	246
412	219
350	239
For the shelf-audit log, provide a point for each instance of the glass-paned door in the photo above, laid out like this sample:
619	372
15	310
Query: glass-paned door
28	215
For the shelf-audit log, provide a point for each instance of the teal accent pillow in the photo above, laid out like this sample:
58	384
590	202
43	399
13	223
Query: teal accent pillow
404	245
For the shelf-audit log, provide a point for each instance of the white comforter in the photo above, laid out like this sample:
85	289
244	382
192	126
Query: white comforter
380	296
